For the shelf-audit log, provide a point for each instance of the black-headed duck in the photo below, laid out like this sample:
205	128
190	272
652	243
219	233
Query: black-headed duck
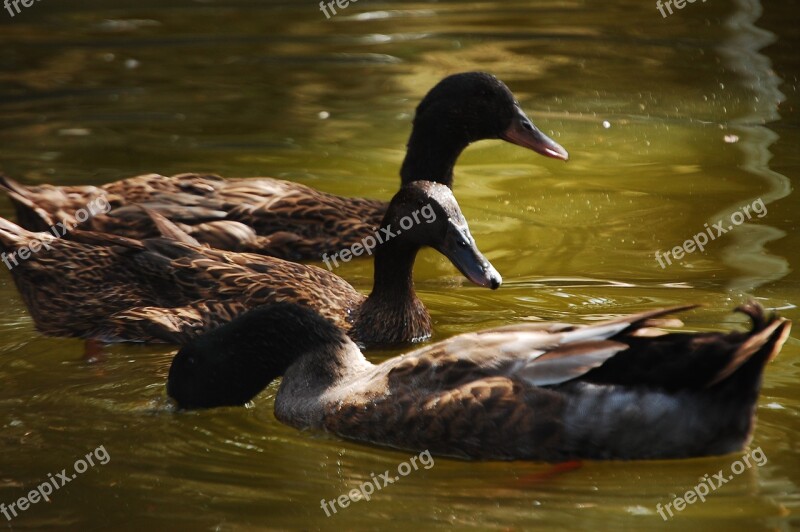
285	219
115	289
619	389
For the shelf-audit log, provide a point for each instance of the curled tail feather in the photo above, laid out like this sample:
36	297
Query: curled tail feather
766	338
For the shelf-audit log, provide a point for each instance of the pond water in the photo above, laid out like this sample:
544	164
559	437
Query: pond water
671	122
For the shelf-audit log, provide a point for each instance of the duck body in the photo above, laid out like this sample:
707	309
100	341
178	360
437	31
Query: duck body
284	219
112	288
549	392
250	215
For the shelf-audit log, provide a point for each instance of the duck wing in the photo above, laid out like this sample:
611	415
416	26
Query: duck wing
695	361
199	225
82	286
558	392
261	215
536	354
70	285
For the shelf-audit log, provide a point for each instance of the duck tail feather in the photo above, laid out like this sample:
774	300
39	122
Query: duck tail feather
96	238
763	343
12	235
9	185
651	318
29	214
622	326
15	189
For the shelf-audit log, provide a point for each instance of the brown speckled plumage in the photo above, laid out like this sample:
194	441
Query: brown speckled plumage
257	215
285	219
620	389
113	288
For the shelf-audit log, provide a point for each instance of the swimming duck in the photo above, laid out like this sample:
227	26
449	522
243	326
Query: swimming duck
285	219
112	288
620	389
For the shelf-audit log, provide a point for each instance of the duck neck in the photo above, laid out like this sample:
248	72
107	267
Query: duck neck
432	152
392	313
314	376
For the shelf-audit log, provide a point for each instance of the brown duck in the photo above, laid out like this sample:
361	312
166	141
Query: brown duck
112	288
619	389
285	219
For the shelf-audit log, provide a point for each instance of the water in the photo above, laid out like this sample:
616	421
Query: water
671	123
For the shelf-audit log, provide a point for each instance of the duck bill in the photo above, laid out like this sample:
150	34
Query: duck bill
523	132
460	248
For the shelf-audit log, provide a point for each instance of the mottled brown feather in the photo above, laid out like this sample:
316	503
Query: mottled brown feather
119	289
259	215
115	288
469	397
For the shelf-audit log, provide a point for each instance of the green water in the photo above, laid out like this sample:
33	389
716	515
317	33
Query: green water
701	115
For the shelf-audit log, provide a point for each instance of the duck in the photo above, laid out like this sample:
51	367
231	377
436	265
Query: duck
281	218
109	288
621	389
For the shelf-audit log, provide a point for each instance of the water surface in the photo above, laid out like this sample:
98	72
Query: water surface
671	123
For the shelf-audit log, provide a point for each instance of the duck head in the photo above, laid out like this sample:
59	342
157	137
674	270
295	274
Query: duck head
230	365
461	109
424	213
